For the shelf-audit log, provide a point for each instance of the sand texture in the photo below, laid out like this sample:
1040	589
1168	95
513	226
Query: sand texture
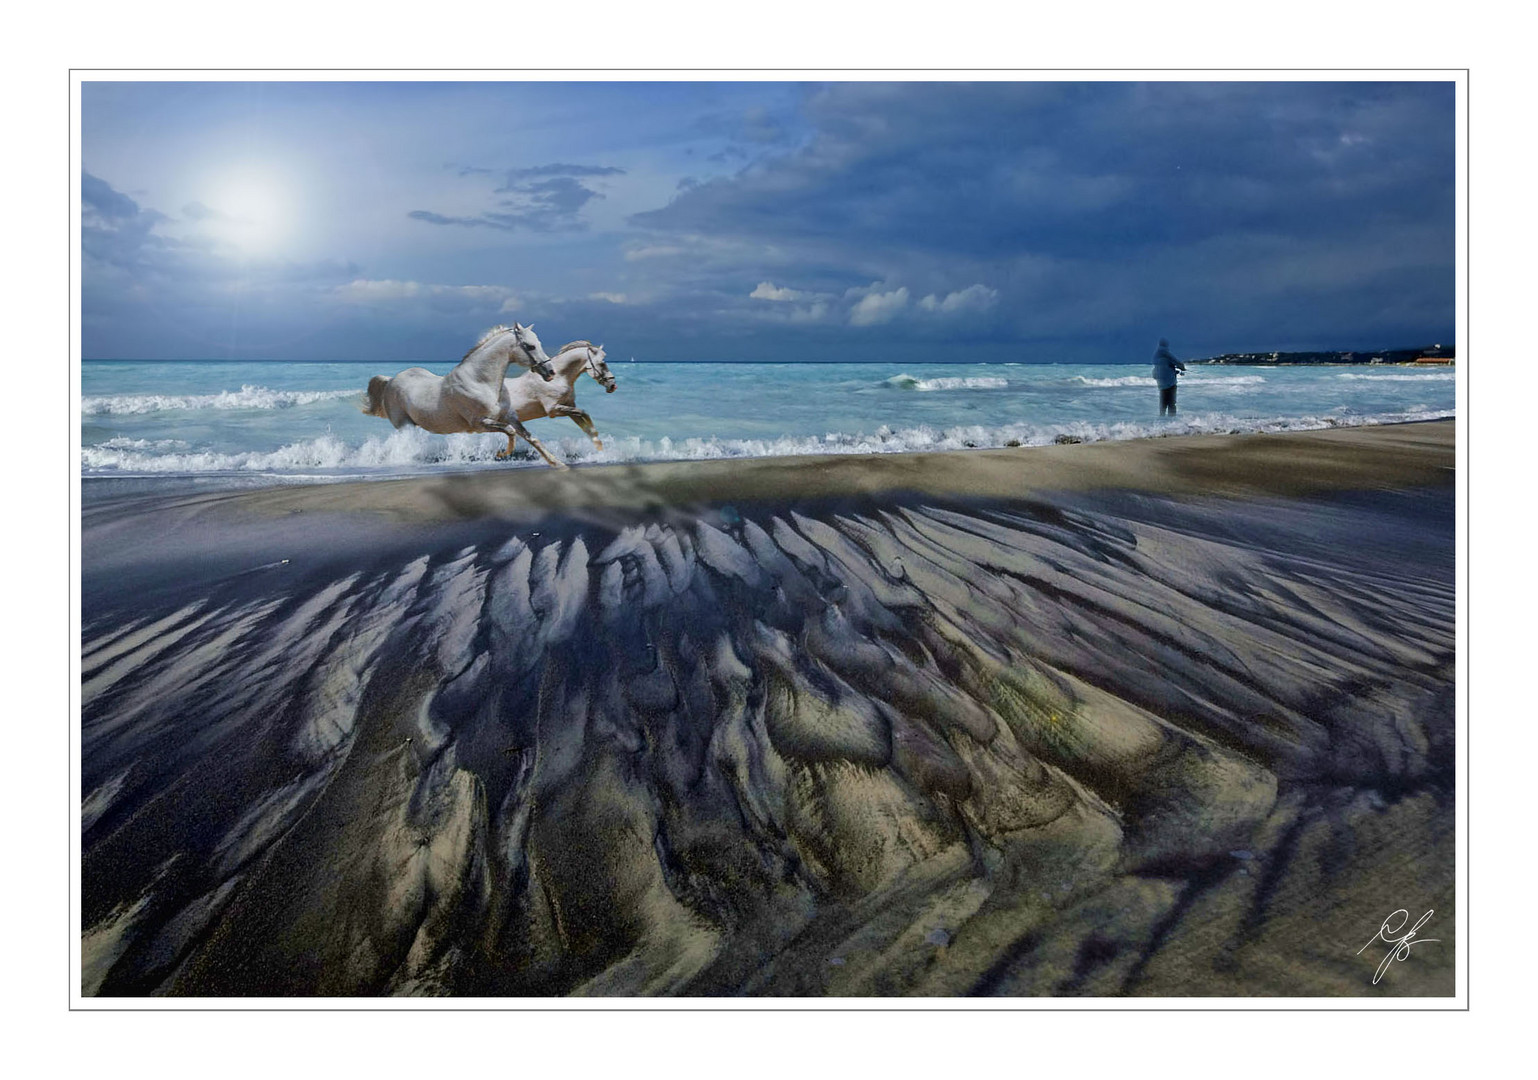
1173	717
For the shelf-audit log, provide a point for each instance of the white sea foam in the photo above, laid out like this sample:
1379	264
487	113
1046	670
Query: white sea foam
1214	382
401	449
123	442
247	397
1222	380
1426	376
414	450
1124	380
968	382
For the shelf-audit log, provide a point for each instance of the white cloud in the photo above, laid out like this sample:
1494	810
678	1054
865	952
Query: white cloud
476	292
808	307
697	247
878	307
363	291
611	297
768	291
972	298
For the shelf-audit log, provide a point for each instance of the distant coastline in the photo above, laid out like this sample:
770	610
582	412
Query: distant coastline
1438	354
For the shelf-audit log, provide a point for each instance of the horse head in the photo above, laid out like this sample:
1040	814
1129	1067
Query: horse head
598	369
531	354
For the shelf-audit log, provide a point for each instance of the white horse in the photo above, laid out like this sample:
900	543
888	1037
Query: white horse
467	398
528	398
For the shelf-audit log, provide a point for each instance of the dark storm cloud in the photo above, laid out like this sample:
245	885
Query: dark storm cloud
1058	221
116	231
107	203
542	198
1218	199
444	219
563	170
990	168
557	198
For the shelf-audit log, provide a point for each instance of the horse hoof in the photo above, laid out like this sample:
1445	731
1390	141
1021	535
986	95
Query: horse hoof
598	444
502	455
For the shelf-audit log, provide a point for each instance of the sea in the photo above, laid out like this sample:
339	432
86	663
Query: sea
215	424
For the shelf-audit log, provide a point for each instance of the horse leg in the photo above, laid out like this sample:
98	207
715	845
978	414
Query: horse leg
581	419
514	427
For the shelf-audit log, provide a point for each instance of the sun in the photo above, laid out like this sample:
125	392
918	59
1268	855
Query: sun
251	208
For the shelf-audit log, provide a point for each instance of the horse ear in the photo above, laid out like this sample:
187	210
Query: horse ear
529	327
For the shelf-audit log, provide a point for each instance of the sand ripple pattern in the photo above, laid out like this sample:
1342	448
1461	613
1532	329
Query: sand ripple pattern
858	749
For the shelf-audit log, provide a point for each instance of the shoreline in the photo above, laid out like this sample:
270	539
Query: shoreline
1400	454
1165	717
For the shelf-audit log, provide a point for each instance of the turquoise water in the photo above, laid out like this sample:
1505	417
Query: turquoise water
242	423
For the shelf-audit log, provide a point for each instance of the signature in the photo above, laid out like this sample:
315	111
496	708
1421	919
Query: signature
1400	945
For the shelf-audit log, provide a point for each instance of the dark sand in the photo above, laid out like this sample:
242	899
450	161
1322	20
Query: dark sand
1171	717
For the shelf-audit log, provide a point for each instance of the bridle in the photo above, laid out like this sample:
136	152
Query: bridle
603	378
517	332
534	364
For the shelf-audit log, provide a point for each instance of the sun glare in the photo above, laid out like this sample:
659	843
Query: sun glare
252	209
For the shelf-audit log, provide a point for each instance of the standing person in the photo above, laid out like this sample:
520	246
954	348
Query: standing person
1165	368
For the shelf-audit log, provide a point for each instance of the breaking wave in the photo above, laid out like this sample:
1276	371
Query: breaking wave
1429	376
1124	380
968	382
1223	380
1206	381
414	450
123	442
247	397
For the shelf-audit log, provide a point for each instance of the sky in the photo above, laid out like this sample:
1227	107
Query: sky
766	221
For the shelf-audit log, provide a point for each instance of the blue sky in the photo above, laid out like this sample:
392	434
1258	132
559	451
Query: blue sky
1074	222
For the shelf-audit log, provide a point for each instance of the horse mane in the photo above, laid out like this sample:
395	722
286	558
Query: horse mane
574	344
487	336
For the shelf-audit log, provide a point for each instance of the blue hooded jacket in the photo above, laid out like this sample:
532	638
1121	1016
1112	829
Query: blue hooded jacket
1165	365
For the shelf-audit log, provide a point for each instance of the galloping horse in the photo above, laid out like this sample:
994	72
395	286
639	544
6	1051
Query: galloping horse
527	398
467	398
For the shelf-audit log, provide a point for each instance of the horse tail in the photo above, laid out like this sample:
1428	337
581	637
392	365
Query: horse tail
374	403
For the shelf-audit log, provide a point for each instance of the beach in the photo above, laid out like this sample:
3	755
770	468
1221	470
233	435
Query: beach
1164	717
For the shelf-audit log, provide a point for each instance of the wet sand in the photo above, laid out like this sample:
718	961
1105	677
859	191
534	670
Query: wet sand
1170	717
